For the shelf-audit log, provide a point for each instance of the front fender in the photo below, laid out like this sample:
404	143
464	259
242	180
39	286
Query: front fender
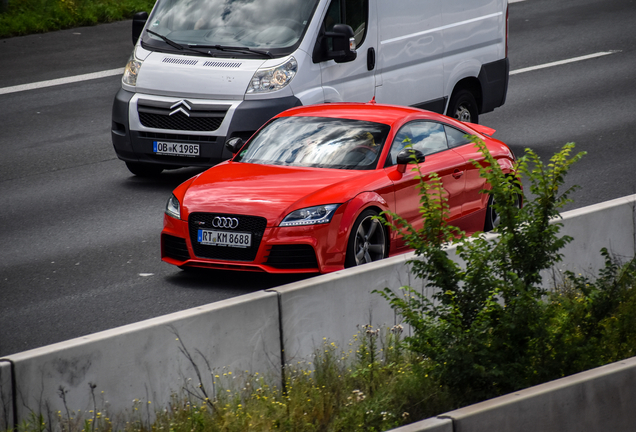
352	210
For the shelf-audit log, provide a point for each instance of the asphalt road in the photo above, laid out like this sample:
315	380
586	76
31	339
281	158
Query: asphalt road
80	235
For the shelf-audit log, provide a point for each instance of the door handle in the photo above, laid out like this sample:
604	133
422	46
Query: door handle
457	173
370	58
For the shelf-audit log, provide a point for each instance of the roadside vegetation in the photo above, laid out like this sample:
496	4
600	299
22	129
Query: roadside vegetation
23	17
490	329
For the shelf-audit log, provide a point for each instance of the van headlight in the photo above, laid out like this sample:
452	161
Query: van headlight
132	70
274	78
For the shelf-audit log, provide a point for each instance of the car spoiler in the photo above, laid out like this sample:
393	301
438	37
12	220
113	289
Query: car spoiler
481	128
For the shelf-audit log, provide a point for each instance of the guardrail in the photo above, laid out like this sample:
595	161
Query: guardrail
151	360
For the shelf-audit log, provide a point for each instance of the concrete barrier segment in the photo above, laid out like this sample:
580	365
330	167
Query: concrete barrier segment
8	402
611	225
333	307
142	365
598	400
429	425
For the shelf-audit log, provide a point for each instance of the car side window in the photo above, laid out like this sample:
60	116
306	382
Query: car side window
351	12
455	137
425	136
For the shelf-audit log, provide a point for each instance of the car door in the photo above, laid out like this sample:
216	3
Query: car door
430	138
472	200
352	81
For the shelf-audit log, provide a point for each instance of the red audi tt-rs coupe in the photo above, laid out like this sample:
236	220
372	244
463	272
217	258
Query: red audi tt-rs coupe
301	194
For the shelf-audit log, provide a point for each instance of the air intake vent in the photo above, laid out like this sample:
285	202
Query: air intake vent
181	61
217	64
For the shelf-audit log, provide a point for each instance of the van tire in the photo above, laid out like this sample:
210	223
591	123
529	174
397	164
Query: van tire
463	107
143	169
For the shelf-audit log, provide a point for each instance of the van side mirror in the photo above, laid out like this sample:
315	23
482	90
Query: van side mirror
234	144
139	21
344	45
342	42
407	156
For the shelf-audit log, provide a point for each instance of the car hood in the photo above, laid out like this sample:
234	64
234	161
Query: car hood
271	191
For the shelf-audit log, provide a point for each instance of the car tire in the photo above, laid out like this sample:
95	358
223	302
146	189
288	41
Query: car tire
463	107
492	218
144	170
367	241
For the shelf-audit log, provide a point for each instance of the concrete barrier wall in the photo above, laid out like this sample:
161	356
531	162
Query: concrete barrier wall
611	224
337	305
599	400
6	396
145	361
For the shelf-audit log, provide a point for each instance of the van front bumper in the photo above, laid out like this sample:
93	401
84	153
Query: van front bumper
140	120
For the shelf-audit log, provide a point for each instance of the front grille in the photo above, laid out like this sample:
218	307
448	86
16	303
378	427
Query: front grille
178	137
201	120
253	224
175	248
292	257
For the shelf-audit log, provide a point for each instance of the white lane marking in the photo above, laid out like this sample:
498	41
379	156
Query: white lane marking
472	20
515	1
60	81
120	71
562	62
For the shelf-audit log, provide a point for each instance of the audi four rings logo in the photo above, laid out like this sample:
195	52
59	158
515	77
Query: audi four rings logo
225	222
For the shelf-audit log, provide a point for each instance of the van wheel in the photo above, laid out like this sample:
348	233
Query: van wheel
367	241
144	170
463	107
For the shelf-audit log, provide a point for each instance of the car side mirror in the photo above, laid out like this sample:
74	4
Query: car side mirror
407	156
234	144
344	45
139	21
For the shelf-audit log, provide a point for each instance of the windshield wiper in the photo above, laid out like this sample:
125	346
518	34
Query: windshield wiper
234	49
177	45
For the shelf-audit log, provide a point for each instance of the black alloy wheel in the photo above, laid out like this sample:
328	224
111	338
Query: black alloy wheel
367	241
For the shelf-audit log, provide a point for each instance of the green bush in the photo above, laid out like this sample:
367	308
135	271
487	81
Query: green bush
23	17
486	328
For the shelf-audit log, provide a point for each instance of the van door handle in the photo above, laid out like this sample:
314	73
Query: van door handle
371	58
457	173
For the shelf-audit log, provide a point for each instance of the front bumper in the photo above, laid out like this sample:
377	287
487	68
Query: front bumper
140	120
304	249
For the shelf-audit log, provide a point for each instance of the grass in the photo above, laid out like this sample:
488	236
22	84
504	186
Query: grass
23	17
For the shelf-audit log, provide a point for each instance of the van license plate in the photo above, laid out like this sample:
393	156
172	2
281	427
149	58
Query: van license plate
225	238
175	149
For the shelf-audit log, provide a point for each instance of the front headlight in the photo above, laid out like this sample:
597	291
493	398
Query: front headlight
132	70
310	215
272	79
173	208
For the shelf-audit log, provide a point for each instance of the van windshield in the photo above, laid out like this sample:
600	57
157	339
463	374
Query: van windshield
276	25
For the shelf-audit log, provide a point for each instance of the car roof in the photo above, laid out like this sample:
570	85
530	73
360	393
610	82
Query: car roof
371	111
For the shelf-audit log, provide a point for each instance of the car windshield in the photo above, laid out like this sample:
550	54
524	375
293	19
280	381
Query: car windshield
258	24
317	142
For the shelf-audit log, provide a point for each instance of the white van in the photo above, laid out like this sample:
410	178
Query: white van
205	71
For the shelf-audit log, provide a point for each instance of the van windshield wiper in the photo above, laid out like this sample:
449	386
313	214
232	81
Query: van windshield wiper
234	49
175	44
